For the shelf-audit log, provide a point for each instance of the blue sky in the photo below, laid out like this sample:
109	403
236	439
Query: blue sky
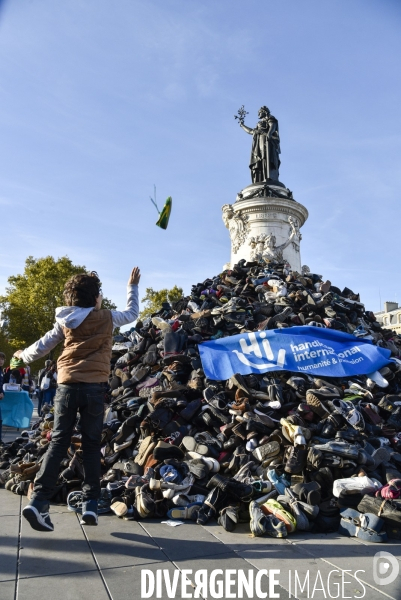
102	99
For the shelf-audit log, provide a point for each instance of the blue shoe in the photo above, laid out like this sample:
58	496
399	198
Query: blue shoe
280	482
37	515
89	513
90	509
367	527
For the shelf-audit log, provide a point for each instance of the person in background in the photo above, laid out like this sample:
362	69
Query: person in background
13	376
26	383
2	361
48	395
41	375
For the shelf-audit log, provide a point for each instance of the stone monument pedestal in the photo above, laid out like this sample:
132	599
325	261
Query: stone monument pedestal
264	218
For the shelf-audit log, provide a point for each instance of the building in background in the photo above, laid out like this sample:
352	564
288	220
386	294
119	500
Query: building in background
390	317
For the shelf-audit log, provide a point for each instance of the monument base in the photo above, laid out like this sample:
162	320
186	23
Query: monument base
263	219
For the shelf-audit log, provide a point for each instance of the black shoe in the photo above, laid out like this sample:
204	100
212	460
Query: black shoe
228	517
232	443
37	515
214	445
324	478
395	419
254	425
198	468
296	459
349	435
163	451
236	462
308	492
217	414
218	481
110	460
241	491
324	524
212	503
189	412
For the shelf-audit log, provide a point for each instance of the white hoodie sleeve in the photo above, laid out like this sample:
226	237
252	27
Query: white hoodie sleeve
130	314
56	335
44	345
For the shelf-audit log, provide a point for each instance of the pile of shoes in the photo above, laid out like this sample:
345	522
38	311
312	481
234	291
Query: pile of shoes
278	451
22	458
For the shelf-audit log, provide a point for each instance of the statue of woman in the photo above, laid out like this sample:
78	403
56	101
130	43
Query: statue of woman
265	161
273	253
237	225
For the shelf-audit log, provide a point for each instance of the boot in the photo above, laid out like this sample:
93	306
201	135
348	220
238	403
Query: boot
212	504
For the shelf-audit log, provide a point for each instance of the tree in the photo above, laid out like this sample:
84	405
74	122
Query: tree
6	347
31	299
154	299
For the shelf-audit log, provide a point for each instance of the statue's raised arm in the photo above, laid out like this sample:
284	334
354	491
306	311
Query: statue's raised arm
269	251
247	129
294	232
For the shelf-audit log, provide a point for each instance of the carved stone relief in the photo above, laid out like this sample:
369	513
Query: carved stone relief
237	225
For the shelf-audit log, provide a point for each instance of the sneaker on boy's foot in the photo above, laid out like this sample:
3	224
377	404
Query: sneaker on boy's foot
37	515
89	513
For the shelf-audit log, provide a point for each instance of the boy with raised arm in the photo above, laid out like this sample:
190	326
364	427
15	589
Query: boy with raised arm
83	371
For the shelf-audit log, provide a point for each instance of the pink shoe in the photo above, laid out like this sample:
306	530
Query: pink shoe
391	491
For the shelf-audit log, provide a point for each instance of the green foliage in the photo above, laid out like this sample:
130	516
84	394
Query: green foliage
154	299
6	347
31	299
108	304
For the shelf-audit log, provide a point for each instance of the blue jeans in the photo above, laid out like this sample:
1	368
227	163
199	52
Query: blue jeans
48	396
88	399
40	400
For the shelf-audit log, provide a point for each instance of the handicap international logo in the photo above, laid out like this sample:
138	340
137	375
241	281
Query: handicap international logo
259	350
312	350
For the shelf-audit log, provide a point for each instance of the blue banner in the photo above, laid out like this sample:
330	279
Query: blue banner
312	350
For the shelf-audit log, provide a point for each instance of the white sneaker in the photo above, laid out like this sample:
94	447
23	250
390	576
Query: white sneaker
184	499
161	324
384	441
212	463
252	444
363	485
124	445
274	404
377	378
299	438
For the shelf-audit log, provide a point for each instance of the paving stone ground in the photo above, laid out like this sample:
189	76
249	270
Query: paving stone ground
106	562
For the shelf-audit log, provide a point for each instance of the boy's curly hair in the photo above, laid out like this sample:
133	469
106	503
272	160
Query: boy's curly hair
82	290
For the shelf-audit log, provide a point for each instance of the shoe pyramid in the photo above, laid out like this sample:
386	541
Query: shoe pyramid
177	443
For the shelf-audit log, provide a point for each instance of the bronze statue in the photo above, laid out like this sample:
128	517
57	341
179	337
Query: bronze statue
265	161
